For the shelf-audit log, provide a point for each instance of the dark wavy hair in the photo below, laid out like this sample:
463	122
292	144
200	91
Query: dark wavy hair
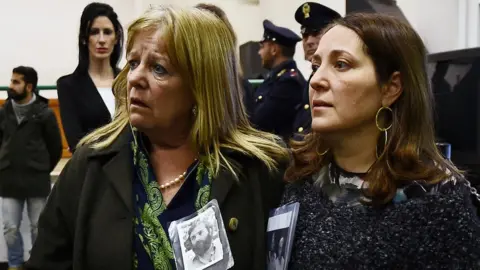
89	14
410	153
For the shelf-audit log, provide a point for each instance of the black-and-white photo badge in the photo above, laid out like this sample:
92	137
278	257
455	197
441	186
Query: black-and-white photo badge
199	241
281	227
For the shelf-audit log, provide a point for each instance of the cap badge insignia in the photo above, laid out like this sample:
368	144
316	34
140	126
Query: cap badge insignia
306	10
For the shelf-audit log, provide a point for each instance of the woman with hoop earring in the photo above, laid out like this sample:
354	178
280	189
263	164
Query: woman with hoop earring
374	191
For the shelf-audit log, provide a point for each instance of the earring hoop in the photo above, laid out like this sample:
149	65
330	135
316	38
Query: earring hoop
378	114
383	129
324	152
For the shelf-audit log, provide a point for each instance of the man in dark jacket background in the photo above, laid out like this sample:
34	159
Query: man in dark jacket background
30	148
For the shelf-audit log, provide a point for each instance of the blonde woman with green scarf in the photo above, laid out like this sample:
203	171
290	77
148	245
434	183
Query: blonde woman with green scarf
180	138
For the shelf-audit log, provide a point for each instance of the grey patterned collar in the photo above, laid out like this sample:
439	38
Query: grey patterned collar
349	188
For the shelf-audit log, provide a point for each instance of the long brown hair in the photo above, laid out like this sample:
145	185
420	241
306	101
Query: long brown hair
410	153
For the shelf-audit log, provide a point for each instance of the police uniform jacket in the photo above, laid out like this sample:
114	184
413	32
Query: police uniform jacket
276	99
303	117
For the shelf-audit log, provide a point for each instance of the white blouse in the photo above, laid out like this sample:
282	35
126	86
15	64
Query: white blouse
108	99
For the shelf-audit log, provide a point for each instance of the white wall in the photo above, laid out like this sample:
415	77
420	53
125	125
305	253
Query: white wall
444	25
43	33
247	18
435	20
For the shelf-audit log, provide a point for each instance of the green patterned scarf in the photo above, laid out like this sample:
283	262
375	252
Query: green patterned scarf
152	248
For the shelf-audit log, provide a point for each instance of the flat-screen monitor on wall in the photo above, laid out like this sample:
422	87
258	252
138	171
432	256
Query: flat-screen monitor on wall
455	80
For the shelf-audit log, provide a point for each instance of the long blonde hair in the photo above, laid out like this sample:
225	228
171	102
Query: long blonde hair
202	48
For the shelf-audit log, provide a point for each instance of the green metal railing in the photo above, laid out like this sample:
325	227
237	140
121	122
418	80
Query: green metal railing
39	87
255	83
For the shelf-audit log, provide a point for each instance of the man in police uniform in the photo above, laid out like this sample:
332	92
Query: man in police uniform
312	17
277	96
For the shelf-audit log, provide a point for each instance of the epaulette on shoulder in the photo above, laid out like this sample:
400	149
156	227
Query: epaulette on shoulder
288	73
281	72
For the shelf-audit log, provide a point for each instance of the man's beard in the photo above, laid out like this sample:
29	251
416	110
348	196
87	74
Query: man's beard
17	96
267	63
202	246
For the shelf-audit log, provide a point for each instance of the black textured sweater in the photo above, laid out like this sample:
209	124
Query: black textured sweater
436	229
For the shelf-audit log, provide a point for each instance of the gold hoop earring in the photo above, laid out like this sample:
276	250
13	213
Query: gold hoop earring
377	115
324	152
383	129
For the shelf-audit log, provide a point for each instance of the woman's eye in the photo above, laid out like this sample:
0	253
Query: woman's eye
159	69
341	65
107	32
132	64
94	31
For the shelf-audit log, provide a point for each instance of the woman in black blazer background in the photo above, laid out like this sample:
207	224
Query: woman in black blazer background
85	96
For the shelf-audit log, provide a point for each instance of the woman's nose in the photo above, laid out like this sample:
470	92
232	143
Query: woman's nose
319	81
101	38
136	77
